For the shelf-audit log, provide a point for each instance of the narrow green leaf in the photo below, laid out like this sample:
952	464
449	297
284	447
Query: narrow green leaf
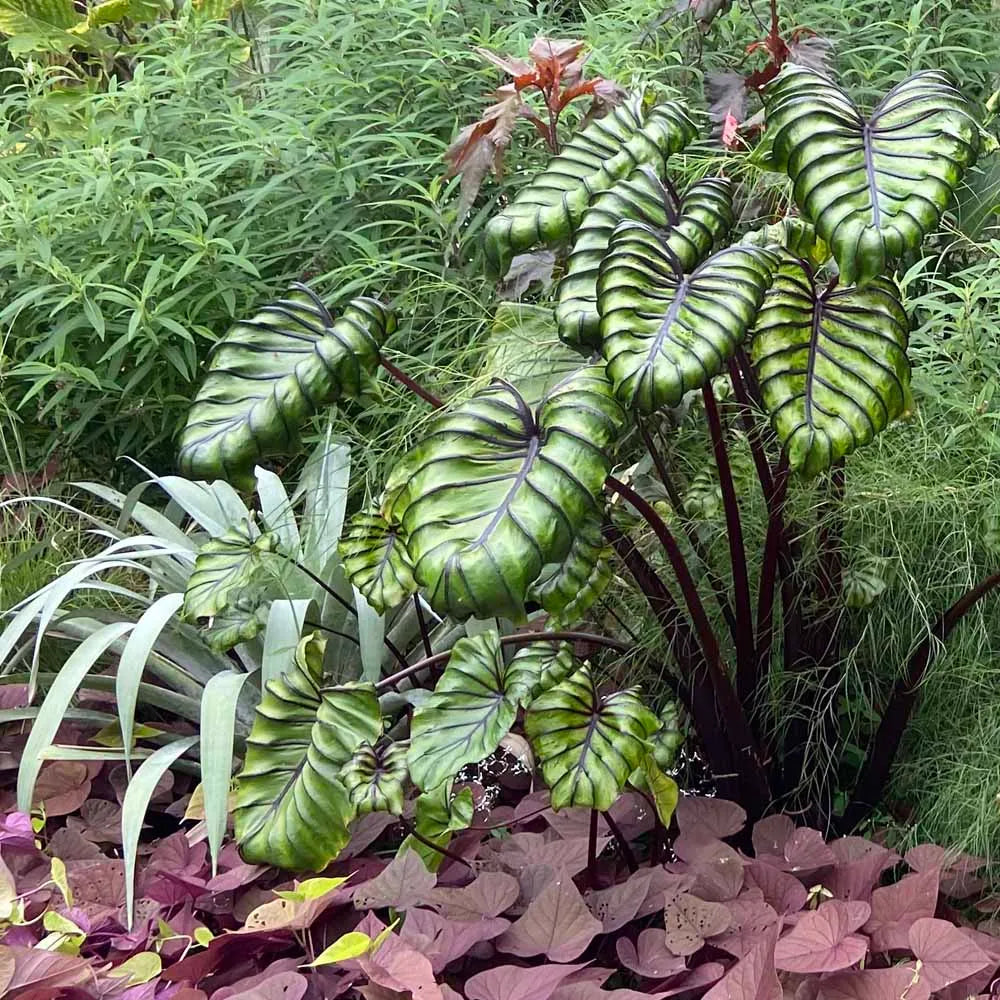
276	510
57	701
133	660
285	621
371	635
218	729
135	803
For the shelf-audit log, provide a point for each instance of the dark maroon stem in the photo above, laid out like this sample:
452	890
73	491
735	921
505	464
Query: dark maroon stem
623	844
437	847
748	761
415	387
517	639
878	764
592	850
695	689
766	589
425	634
718	588
744	639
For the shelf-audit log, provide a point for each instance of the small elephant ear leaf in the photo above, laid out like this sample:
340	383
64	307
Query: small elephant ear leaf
665	332
270	373
549	209
495	491
376	561
832	365
224	569
588	745
292	807
470	711
874	187
691	225
375	778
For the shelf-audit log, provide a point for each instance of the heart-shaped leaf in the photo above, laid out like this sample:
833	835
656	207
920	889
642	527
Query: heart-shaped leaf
376	561
946	955
873	187
896	907
901	982
489	895
700	816
753	976
470	711
514	982
405	882
587	745
374	778
824	940
496	492
665	332
556	924
270	373
649	957
690	226
832	365
689	921
548	209
292	808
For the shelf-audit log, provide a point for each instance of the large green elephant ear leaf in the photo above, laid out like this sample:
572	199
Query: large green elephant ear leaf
549	209
497	491
376	562
874	187
569	588
588	745
375	778
272	372
691	227
832	365
225	568
665	332
292	807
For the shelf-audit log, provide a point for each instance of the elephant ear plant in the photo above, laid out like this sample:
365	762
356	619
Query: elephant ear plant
516	508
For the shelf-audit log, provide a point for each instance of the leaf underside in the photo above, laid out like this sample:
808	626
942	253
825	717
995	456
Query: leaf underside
832	366
376	562
873	187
